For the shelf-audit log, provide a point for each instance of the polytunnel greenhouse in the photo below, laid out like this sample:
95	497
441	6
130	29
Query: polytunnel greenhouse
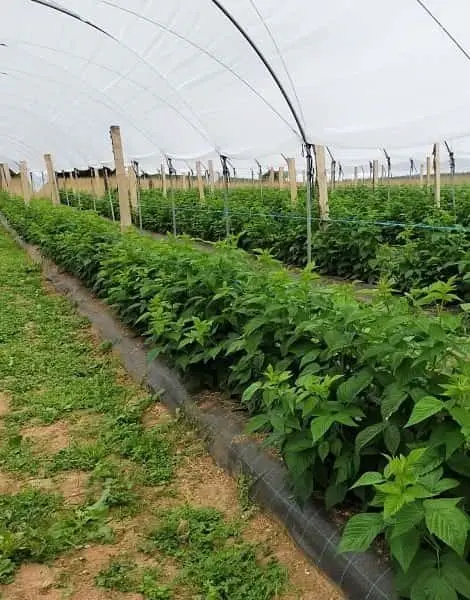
234	300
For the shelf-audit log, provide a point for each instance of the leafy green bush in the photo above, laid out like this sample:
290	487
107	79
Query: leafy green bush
340	388
370	233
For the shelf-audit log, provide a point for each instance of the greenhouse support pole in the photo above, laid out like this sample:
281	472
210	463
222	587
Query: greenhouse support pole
375	173
25	183
94	183
135	168
271	176
226	176
3	179
281	178
184	181
78	189
6	176
53	189
132	187
428	171
310	185
200	182
320	163
437	175
355	175
211	175
107	191
164	188
292	180
421	175
172	172
66	189
121	177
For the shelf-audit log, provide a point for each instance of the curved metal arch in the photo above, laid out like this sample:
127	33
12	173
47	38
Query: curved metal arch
278	50
111	106
54	6
205	52
99	91
202	130
268	66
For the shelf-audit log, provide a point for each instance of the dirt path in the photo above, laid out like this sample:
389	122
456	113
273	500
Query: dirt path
103	495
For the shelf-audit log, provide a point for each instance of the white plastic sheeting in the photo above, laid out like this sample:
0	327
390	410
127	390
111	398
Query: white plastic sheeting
182	81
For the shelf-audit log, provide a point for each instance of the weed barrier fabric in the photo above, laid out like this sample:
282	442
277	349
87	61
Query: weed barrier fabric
360	576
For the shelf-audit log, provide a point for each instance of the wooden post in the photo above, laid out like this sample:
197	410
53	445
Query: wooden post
271	177
421	175
292	180
281	178
164	186
428	171
123	186
322	181
3	177
6	173
184	181
355	175
94	182
132	187
200	182
211	176
437	175
375	173
54	190
25	182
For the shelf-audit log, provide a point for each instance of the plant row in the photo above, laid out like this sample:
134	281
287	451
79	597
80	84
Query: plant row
369	404
370	235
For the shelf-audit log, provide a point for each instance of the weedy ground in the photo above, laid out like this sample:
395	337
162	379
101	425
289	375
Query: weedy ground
103	495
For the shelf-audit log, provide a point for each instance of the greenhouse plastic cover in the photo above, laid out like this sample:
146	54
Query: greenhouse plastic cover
182	80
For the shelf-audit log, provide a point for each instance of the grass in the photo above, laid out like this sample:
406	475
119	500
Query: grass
53	372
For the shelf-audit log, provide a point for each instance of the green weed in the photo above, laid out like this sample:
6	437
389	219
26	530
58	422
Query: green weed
214	558
36	526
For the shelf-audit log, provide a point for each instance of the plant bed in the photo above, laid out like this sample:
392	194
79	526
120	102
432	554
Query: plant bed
339	387
100	487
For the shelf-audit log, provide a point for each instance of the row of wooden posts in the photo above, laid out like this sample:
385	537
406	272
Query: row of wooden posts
126	179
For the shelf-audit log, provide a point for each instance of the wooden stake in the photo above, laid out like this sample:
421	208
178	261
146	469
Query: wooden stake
200	182
3	177
25	182
271	177
322	182
132	187
54	190
211	176
375	174
421	175
437	175
428	171
164	186
93	181
281	178
6	171
122	182
292	180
